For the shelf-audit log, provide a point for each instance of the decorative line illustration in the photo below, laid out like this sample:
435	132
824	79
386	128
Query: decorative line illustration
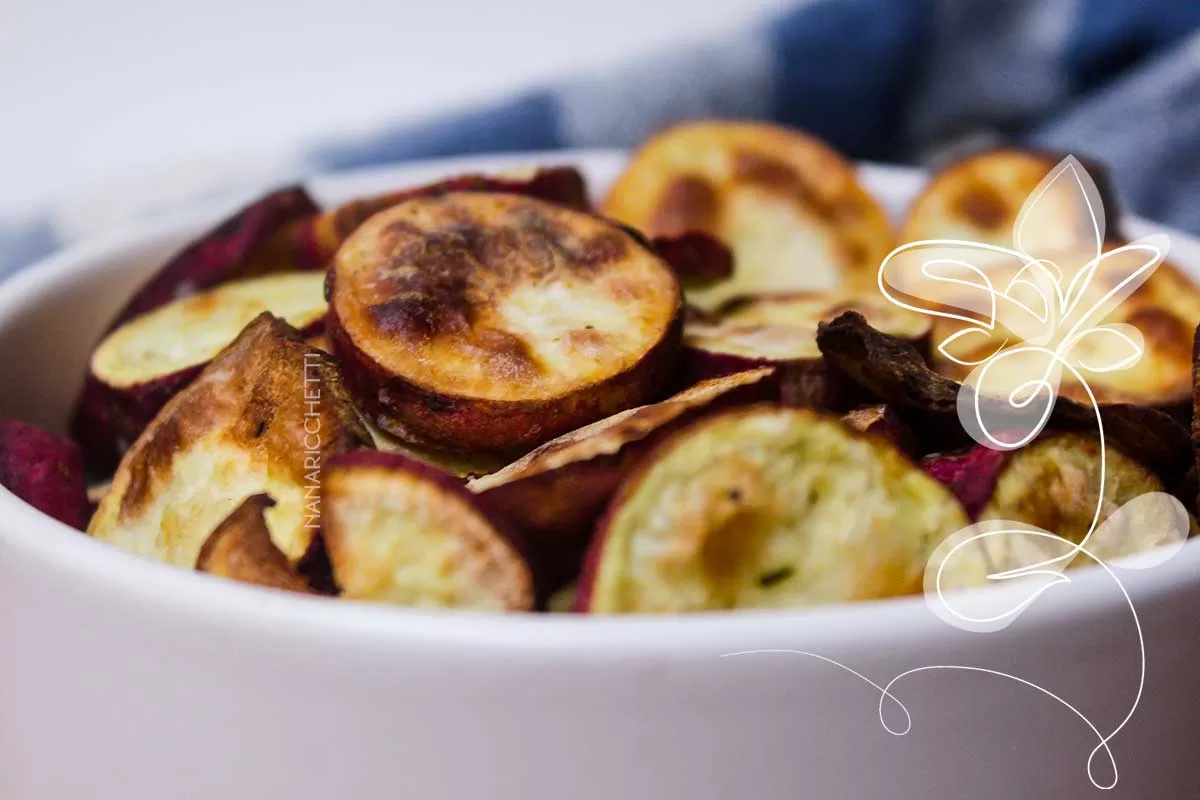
1059	285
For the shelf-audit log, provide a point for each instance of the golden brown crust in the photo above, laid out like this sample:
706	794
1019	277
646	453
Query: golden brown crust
791	208
262	417
496	322
241	549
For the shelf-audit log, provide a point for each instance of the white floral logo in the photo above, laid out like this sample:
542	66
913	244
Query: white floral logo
1028	317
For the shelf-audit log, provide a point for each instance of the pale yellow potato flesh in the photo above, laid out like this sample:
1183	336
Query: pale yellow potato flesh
770	508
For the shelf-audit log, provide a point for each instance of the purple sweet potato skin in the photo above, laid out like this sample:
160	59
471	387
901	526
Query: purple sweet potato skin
312	242
234	249
45	471
970	475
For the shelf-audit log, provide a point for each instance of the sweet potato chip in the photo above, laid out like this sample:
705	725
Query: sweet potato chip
791	209
263	417
241	549
401	532
483	323
766	507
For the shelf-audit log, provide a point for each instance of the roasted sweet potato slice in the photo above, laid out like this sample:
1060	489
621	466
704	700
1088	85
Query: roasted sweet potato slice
492	323
978	199
44	470
1054	484
401	532
243	245
766	507
241	549
142	364
894	372
774	330
791	209
1165	310
556	493
263	417
313	241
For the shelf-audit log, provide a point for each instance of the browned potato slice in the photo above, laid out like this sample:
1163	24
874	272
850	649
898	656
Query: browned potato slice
401	532
556	493
493	323
241	549
778	329
791	209
766	508
262	417
1165	309
141	365
1054	484
978	199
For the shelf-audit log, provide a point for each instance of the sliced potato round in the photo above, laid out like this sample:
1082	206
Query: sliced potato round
486	322
766	507
190	331
401	532
263	417
1054	486
1165	310
791	208
1054	483
142	364
978	199
241	549
556	493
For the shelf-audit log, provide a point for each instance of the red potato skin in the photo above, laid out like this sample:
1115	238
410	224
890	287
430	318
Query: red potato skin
697	258
239	247
108	420
970	475
46	471
312	242
466	425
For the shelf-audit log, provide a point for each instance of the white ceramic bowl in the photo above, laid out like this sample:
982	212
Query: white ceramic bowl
124	679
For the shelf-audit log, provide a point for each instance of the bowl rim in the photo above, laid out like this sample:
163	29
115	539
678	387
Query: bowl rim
106	570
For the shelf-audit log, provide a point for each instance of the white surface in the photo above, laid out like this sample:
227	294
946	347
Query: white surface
124	679
101	97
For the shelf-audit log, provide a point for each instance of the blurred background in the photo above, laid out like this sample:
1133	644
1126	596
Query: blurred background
114	109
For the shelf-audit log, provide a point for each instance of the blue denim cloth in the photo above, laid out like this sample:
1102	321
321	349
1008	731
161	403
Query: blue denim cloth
889	80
